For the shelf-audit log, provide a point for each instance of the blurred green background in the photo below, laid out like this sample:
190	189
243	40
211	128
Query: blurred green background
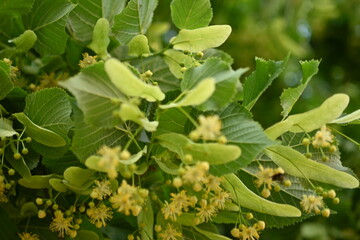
321	29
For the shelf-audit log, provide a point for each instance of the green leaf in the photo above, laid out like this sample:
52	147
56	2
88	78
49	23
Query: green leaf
40	134
290	96
246	198
9	229
59	165
25	41
15	7
351	118
78	179
6	128
84	17
139	46
86	235
48	23
241	130
135	19
174	59
100	39
225	78
89	138
196	96
261	79
125	80
6	84
18	164
172	120
297	164
95	95
328	111
191	14
36	181
146	217
200	39
28	209
58	185
214	153
161	73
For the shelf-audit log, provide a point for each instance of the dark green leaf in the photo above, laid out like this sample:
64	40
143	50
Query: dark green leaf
15	6
6	84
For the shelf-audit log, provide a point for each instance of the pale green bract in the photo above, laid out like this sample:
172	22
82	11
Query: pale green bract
246	198
126	81
329	110
139	46
298	165
6	128
200	39
25	41
100	39
214	153
196	96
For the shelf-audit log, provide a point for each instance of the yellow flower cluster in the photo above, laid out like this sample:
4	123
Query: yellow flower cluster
62	225
101	190
312	203
3	197
265	178
87	60
28	236
248	233
322	138
170	233
99	214
14	71
209	129
129	198
213	197
110	159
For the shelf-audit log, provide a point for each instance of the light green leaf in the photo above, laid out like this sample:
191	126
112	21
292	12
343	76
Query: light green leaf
36	181
6	84
198	95
191	14
95	95
129	111
146	217
328	111
172	120
225	78
154	34
86	235
6	128
125	80
58	185
348	119
240	130
246	198
298	165
25	41
211	235
261	79
48	23
200	39
89	138
40	134
214	153
15	6
139	46
135	19
100	38
289	96
28	209
84	17
161	72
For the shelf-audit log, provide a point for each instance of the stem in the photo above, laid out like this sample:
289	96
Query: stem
345	136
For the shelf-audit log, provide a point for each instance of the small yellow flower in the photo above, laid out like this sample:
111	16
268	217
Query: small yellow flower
181	200
209	128
206	211
98	215
101	190
87	60
61	224
322	138
264	176
171	210
109	160
219	199
129	199
213	183
28	236
311	203
3	197
196	174
170	233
